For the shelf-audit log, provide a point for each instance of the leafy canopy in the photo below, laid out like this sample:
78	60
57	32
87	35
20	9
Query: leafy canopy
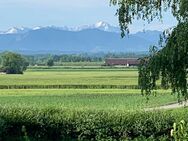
169	63
50	63
148	10
13	63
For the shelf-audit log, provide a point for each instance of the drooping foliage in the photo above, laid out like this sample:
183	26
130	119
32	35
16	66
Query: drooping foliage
148	10
170	62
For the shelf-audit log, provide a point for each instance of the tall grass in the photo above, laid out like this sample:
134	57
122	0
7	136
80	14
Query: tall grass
95	99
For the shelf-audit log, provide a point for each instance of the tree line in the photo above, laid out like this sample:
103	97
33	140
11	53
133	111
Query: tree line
50	60
14	63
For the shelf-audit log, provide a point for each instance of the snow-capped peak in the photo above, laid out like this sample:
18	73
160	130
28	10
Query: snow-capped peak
37	28
15	30
101	24
12	30
104	26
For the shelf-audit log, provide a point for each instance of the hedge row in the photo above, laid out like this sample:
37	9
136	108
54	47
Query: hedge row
59	124
69	87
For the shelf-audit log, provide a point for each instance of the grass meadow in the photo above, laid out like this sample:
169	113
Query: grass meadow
80	99
56	76
92	112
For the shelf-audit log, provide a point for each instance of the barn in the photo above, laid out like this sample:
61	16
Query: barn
122	61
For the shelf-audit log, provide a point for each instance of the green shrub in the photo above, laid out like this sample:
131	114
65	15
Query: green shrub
71	86
3	127
89	125
13	63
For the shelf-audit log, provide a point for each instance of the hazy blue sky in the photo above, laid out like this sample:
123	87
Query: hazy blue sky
31	13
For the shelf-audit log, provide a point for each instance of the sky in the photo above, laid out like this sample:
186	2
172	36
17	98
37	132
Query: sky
32	13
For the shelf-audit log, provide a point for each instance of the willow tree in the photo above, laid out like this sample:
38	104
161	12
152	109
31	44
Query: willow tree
169	64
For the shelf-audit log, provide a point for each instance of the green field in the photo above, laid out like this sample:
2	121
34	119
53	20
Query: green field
97	98
92	112
72	77
106	99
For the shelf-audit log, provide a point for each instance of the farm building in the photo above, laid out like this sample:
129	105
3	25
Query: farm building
122	61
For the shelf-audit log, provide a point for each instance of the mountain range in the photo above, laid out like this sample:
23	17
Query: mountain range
99	37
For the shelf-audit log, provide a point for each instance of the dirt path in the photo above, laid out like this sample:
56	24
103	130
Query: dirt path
169	106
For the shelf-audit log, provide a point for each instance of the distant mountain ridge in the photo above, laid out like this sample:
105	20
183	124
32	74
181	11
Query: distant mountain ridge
99	37
99	25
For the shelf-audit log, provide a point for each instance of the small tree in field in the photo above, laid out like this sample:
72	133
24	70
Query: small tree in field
50	63
13	63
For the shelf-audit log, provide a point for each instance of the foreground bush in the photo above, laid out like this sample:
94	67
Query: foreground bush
57	124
